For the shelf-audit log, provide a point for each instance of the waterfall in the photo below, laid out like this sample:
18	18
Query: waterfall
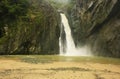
66	42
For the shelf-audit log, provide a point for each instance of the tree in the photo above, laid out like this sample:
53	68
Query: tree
11	10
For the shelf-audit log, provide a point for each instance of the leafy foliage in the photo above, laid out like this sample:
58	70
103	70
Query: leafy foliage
12	9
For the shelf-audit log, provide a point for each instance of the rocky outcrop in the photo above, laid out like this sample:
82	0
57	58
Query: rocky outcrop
97	23
35	33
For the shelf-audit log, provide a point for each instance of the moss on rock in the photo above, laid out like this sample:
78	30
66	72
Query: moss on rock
35	33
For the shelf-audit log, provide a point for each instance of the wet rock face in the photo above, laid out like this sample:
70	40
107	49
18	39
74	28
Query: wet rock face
37	33
97	23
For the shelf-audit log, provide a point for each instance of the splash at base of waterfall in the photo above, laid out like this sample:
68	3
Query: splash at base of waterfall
66	42
83	51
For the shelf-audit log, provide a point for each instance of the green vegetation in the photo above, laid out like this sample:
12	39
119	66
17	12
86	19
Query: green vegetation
28	27
62	5
10	10
56	4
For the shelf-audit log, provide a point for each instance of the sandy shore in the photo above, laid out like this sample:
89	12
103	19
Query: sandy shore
14	69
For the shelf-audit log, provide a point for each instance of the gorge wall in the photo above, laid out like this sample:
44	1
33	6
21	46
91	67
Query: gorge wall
35	33
97	24
93	22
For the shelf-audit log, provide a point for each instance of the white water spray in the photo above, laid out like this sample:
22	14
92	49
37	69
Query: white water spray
70	48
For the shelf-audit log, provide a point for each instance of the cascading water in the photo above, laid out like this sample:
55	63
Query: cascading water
68	48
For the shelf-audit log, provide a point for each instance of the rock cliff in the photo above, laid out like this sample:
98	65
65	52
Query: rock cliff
97	23
35	33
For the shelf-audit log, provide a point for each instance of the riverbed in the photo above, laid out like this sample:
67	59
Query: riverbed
58	67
